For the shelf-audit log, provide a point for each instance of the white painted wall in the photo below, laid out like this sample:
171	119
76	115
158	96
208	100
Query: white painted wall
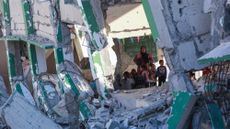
17	18
70	13
41	58
129	20
42	19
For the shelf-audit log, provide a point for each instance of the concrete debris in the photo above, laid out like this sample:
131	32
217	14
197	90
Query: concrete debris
153	111
96	103
22	88
18	113
59	104
141	97
97	125
112	125
46	94
75	73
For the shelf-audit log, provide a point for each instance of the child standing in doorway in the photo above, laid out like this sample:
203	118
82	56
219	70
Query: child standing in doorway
161	73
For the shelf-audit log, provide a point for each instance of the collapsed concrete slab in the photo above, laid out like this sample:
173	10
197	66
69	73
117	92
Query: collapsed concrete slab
140	98
18	113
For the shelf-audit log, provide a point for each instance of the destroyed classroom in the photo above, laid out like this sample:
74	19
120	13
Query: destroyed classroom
84	64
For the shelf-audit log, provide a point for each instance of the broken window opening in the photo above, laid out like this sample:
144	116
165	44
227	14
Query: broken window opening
50	59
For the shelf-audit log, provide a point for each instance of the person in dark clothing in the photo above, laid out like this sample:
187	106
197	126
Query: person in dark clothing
142	58
138	78
152	74
134	75
161	73
127	82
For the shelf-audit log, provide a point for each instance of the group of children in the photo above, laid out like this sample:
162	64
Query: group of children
146	74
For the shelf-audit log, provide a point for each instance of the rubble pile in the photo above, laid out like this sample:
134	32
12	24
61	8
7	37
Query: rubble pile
152	112
18	113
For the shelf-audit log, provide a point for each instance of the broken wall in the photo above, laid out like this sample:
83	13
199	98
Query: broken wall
42	19
126	21
188	27
185	33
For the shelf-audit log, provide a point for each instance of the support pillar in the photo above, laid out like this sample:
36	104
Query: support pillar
11	62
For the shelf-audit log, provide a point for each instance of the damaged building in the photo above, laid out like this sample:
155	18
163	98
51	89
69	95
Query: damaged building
68	64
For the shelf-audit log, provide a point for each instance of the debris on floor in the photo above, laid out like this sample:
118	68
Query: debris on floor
150	110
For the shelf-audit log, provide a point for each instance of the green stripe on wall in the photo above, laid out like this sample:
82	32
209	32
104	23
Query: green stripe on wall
19	89
88	10
214	60
150	19
6	12
59	27
85	110
59	57
11	65
27	17
33	58
69	81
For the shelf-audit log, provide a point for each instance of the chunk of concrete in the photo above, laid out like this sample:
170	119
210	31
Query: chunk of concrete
112	125
18	113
